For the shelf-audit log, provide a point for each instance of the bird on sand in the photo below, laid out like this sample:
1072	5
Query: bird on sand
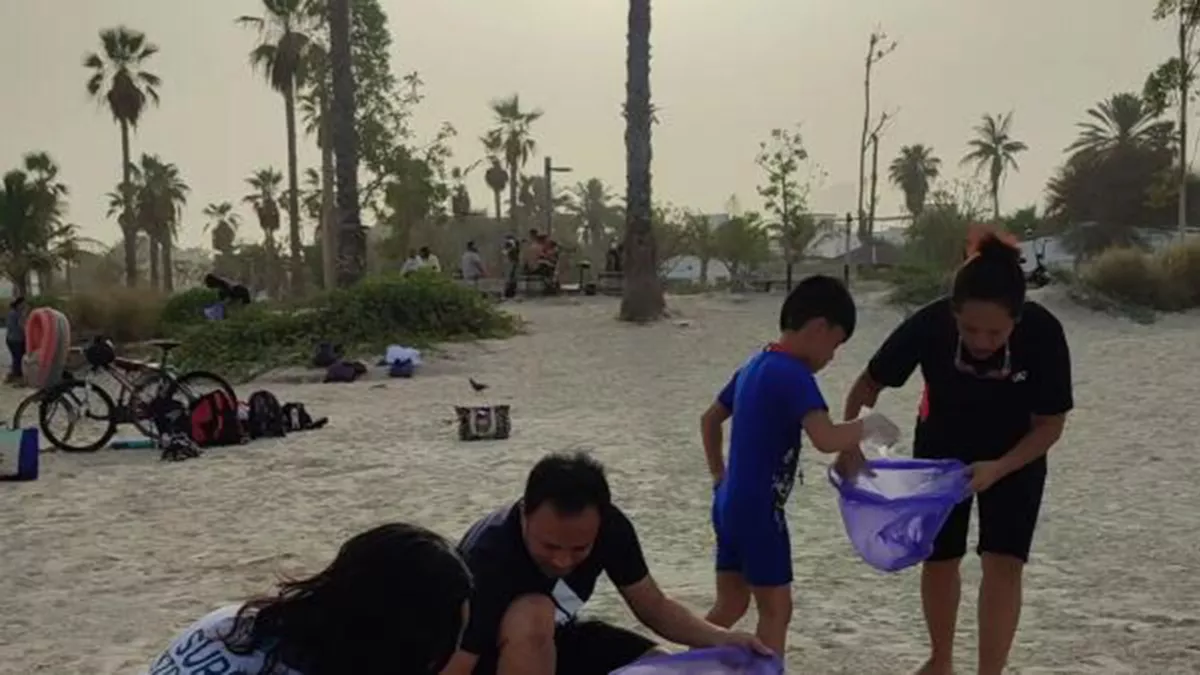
479	387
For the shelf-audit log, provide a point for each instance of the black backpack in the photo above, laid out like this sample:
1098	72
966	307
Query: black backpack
214	420
266	416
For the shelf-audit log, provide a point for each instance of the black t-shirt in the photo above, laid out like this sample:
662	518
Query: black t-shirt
975	418
495	551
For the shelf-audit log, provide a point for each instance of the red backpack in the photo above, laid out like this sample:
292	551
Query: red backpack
214	420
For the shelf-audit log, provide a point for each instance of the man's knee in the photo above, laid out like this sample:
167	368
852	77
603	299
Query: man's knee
529	621
1001	566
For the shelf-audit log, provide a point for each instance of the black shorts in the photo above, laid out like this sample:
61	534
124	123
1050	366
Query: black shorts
1008	514
586	648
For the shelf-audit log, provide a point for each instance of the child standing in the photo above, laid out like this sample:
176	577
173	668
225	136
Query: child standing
772	398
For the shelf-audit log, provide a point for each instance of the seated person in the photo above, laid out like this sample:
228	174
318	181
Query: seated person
536	563
393	601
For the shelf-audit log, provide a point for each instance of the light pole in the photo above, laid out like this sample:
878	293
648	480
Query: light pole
550	171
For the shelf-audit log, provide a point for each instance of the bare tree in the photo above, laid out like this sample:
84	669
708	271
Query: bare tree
878	47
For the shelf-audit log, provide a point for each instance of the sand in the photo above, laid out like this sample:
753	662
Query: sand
108	555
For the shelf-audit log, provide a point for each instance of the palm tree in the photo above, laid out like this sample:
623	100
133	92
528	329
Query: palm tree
700	239
268	185
995	150
913	171
67	249
21	235
642	299
591	203
120	81
223	223
282	56
497	180
511	140
161	198
352	240
1118	122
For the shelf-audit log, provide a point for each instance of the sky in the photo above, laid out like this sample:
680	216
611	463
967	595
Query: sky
723	75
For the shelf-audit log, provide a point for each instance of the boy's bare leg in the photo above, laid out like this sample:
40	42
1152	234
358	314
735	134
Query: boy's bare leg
733	599
941	587
774	605
999	610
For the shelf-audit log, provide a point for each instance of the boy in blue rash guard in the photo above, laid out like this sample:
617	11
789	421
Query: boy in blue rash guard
772	398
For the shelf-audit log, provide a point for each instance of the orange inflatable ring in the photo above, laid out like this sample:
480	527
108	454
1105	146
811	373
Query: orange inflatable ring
47	341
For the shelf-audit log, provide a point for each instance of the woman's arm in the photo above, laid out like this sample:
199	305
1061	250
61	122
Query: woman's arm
1042	436
863	394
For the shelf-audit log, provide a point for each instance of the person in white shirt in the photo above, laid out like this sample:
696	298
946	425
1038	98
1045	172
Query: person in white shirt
411	264
428	261
394	600
471	264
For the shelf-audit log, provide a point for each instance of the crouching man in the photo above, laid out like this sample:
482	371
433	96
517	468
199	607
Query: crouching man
536	563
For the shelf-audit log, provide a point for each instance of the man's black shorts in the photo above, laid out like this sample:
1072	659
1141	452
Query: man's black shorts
1008	514
587	648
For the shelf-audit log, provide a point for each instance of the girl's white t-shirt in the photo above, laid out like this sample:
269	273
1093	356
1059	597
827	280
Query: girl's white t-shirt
199	650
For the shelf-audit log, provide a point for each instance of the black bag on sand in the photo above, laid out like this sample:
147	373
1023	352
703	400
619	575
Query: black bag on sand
326	354
266	418
296	418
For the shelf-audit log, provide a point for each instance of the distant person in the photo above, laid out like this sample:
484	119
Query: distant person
614	257
427	260
997	374
18	312
773	398
536	563
471	265
394	600
412	263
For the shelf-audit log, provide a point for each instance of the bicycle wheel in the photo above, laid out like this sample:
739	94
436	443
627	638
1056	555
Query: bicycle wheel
79	403
26	415
139	404
196	383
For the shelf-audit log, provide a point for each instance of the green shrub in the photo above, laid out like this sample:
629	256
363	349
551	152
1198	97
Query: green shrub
187	307
915	286
1128	276
123	314
369	316
1180	265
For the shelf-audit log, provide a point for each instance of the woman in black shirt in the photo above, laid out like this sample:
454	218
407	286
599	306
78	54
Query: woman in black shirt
997	390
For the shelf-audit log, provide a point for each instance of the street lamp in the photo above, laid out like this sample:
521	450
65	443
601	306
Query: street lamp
550	171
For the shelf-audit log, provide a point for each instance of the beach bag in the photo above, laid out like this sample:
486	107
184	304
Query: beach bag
344	371
893	517
402	369
297	418
266	416
712	661
483	423
215	311
214	420
18	454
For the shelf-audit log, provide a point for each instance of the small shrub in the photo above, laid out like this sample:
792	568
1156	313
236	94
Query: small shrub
1128	276
123	314
915	286
187	308
368	316
1180	267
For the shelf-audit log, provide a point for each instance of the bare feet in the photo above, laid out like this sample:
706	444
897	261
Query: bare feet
931	668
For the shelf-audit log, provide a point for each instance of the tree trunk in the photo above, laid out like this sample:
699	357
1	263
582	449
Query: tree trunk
168	262
642	299
296	245
352	253
512	198
152	248
67	268
1185	86
499	210
329	228
862	143
874	196
128	227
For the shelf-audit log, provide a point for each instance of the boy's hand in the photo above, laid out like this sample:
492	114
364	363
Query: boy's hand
850	463
748	640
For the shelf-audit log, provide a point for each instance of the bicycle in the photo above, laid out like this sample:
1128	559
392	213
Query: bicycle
141	384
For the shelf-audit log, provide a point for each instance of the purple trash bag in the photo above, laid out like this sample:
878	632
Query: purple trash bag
893	517
714	661
214	312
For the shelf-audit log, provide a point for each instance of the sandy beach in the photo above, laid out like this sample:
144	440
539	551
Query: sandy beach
108	555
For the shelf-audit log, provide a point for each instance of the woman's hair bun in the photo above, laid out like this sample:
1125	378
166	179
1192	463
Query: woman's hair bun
990	244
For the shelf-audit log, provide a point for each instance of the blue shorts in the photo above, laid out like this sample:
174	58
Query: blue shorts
755	545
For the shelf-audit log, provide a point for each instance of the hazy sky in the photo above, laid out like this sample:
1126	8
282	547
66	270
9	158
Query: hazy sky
723	74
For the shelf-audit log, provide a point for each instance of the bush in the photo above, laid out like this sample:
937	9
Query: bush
368	317
915	286
1128	276
123	314
187	308
1180	265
